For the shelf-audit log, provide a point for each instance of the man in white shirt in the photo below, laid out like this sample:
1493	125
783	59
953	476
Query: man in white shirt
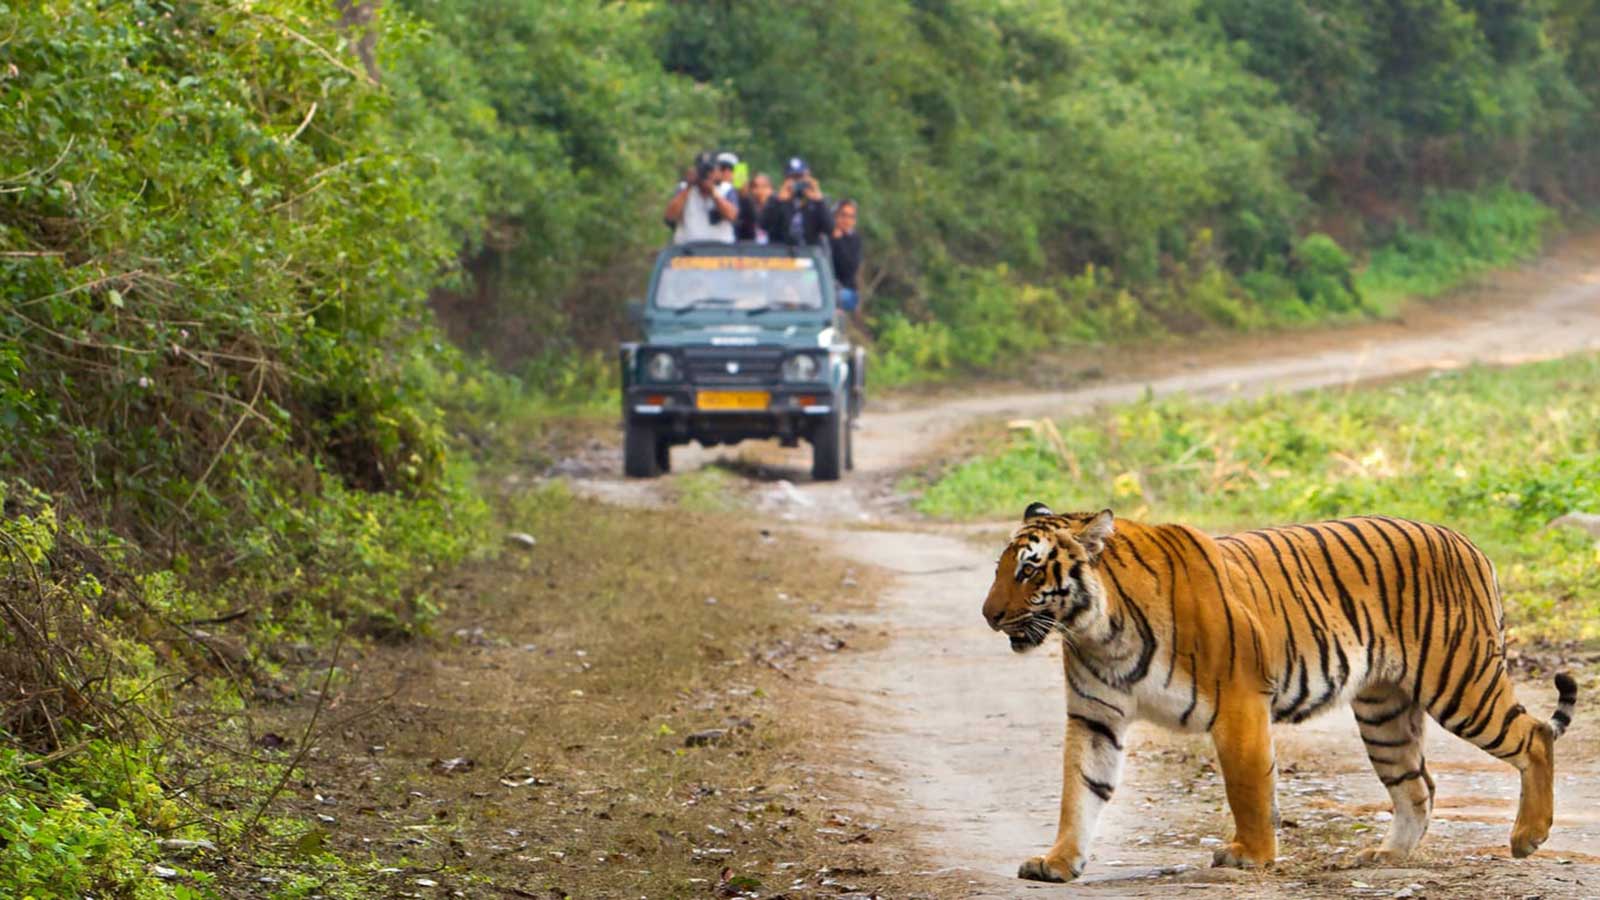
704	208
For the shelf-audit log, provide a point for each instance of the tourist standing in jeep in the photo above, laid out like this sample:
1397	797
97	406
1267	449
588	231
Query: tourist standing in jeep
799	213
704	208
845	244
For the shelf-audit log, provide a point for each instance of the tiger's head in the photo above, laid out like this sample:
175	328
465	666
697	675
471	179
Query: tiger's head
1046	580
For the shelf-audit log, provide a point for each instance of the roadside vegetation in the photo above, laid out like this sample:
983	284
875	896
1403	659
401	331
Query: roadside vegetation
1494	453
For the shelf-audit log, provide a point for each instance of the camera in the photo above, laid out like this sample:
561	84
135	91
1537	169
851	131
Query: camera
704	165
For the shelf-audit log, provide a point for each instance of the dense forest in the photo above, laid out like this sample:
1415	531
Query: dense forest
253	258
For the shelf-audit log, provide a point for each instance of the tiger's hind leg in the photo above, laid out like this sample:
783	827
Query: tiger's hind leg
1392	728
1501	727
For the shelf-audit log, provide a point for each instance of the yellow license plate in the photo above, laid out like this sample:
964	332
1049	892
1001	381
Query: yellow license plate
720	400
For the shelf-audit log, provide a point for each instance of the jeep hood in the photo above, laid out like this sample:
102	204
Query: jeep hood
741	334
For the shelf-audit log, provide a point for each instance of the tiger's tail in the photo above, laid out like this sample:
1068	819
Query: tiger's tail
1566	697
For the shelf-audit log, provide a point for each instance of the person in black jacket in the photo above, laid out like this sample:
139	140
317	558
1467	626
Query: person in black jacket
753	203
799	213
845	243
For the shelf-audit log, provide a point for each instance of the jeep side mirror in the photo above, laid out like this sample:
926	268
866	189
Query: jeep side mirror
635	311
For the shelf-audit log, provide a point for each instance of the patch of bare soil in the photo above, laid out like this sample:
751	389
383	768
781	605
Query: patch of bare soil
627	708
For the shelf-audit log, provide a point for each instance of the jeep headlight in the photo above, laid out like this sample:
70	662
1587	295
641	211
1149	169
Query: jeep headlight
800	367
661	366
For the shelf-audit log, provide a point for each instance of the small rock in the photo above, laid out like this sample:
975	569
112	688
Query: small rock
177	845
709	737
452	766
521	539
272	741
787	491
522	778
163	872
1581	521
427	882
711	601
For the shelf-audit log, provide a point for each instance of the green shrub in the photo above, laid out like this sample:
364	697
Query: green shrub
1322	276
87	827
1461	235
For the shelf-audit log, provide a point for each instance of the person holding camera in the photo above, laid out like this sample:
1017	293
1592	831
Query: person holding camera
798	214
704	207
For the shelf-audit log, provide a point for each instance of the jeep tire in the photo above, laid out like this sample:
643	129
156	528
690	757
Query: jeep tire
641	453
829	443
663	454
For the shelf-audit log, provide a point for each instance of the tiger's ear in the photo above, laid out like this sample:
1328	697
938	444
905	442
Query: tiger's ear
1094	535
1035	510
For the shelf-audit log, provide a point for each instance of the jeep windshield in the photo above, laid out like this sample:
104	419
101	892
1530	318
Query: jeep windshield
745	284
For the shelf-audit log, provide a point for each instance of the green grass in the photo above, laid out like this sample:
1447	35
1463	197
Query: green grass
1495	453
706	490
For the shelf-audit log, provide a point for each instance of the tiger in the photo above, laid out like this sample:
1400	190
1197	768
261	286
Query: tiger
1226	635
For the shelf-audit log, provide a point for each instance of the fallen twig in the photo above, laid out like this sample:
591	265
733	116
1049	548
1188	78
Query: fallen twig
305	745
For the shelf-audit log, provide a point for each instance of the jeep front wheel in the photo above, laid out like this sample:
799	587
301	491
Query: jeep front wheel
641	454
828	446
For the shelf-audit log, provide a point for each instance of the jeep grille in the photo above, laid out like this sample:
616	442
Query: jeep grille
755	364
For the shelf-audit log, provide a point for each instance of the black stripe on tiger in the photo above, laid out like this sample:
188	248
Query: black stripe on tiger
1100	788
1566	697
1099	728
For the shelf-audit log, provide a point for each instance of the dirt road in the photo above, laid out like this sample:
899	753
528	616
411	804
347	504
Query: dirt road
972	733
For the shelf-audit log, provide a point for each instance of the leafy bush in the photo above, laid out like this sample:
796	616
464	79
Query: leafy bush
217	381
204	262
1322	276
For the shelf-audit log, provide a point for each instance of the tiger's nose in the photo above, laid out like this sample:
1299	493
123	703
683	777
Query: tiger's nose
994	619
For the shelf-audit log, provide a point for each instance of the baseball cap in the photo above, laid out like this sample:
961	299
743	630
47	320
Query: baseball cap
796	166
726	158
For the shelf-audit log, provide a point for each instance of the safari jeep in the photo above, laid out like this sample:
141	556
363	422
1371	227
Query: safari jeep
741	342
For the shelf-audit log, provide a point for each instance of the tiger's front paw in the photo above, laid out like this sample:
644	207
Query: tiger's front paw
1236	856
1043	868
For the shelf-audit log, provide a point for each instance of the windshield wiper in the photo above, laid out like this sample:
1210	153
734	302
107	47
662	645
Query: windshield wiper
704	302
781	307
